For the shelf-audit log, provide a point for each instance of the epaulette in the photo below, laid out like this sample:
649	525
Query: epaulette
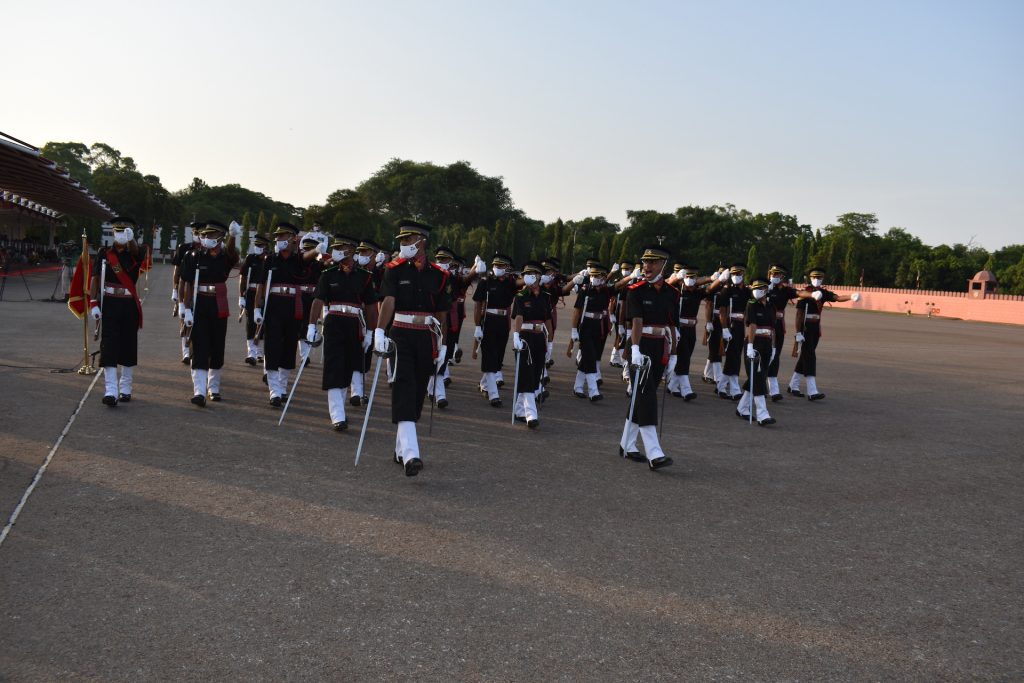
638	283
396	262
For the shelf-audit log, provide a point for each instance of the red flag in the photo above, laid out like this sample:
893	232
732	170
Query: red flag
78	295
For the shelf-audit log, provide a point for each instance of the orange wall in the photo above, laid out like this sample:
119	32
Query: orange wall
941	304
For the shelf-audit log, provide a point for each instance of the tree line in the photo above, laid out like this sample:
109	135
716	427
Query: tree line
475	214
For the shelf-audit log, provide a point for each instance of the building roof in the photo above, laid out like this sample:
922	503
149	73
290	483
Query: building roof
32	181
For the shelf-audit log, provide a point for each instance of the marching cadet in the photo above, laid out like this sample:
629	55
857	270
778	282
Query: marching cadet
183	250
311	241
551	283
732	304
760	330
251	274
623	270
117	305
445	259
493	297
532	327
204	307
591	323
366	257
690	297
281	296
779	296
415	305
808	333
651	307
713	330
462	278
346	298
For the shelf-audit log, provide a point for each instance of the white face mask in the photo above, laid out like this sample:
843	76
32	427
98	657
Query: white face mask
121	237
338	254
530	280
817	281
759	293
776	280
626	270
281	245
257	250
362	259
498	272
442	266
596	281
737	279
465	271
208	242
689	281
408	250
545	279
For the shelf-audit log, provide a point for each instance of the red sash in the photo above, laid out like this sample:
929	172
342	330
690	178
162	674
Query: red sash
114	264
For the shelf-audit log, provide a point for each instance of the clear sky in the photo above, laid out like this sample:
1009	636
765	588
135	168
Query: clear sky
911	110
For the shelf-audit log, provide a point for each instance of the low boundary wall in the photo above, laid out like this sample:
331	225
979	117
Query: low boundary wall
993	308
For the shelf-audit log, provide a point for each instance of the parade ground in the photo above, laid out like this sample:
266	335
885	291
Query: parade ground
874	535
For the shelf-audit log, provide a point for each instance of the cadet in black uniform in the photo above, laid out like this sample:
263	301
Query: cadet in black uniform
285	270
591	323
445	259
713	329
532	327
209	321
415	305
622	270
307	285
651	306
731	306
252	272
690	297
346	298
493	297
779	295
808	325
186	247
121	310
366	258
759	319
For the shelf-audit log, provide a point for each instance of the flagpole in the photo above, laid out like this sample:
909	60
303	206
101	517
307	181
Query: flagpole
87	368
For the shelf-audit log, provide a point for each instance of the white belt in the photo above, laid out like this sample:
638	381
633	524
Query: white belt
758	332
595	314
780	314
116	291
689	322
207	289
497	311
736	316
409	319
344	308
812	316
308	288
280	289
532	327
653	329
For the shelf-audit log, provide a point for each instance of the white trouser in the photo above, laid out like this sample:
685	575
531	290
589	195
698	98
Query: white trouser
408	446
762	408
672	381
125	385
199	381
722	384
743	407
214	383
438	391
773	385
282	382
336	405
303	349
598	373
707	368
615	357
716	371
629	433
526	405
592	388
110	380
684	384
251	348
794	381
184	347
356	388
734	385
581	379
652	447
490	385
499	377
812	385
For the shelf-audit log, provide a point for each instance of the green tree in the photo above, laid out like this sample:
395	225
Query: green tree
753	264
850	268
625	251
799	250
556	240
604	253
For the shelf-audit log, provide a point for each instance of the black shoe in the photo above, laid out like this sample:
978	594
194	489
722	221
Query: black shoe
690	396
795	392
615	365
658	463
354	401
578	394
199	400
398	461
816	397
413	467
495	402
767	421
544	393
124	398
214	397
741	415
340	426
500	383
725	395
595	398
736	397
520	418
259	359
186	359
264	378
249	360
442	403
307	362
708	380
600	381
544	380
776	398
275	401
635	456
549	363
532	424
447	381
677	394
457	356
110	401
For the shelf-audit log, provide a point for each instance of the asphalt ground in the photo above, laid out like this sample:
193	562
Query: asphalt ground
875	535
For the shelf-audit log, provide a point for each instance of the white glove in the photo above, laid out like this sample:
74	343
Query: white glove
726	334
181	310
235	229
855	296
724	276
517	342
574	334
710	327
480	266
95	313
257	316
551	350
380	257
367	342
636	272
174	294
130	233
615	269
381	343
187	317
816	295
442	351
241	302
478	333
578	279
322	247
614	319
751	353
311	333
800	337
671	364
